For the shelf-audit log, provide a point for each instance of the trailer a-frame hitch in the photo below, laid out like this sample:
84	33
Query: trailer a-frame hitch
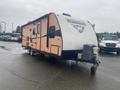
89	56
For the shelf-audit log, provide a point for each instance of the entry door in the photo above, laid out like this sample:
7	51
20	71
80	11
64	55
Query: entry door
38	36
44	26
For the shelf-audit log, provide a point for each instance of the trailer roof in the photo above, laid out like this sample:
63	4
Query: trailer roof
36	20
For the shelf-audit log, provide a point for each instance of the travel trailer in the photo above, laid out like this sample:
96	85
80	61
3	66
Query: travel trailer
62	37
110	43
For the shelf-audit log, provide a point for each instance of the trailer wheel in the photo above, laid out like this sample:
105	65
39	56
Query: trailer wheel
118	53
42	55
29	51
93	70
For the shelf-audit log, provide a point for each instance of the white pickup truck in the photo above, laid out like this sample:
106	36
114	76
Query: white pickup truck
110	43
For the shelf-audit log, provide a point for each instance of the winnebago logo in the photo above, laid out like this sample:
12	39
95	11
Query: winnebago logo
80	26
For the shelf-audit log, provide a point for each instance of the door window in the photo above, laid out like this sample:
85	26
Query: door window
38	29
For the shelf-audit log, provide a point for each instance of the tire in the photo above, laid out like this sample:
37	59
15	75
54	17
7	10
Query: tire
42	55
118	53
29	51
93	70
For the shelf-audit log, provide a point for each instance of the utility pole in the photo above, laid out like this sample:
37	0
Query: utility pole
4	26
0	28
12	26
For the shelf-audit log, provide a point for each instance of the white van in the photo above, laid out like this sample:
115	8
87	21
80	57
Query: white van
110	43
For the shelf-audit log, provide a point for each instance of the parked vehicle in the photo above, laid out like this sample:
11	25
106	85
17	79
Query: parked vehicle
5	37
110	43
62	37
15	37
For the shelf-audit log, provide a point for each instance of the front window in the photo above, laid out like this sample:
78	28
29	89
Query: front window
110	38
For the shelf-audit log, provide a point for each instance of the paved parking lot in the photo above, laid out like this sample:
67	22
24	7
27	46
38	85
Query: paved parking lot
19	71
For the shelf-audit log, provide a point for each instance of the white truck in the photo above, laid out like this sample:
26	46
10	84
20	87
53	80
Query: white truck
110	43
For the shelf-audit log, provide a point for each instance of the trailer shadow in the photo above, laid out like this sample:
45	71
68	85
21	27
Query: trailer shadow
69	66
58	73
4	48
108	54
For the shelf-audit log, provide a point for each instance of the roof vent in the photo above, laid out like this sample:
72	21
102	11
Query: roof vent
67	14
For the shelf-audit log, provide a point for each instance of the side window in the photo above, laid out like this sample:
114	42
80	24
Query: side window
52	32
34	31
38	28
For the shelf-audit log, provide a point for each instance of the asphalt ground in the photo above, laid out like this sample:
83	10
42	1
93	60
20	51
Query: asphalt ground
19	71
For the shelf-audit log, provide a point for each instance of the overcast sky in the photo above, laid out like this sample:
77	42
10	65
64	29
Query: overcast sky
104	13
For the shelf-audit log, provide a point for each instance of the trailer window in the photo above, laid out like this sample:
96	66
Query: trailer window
38	29
34	31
